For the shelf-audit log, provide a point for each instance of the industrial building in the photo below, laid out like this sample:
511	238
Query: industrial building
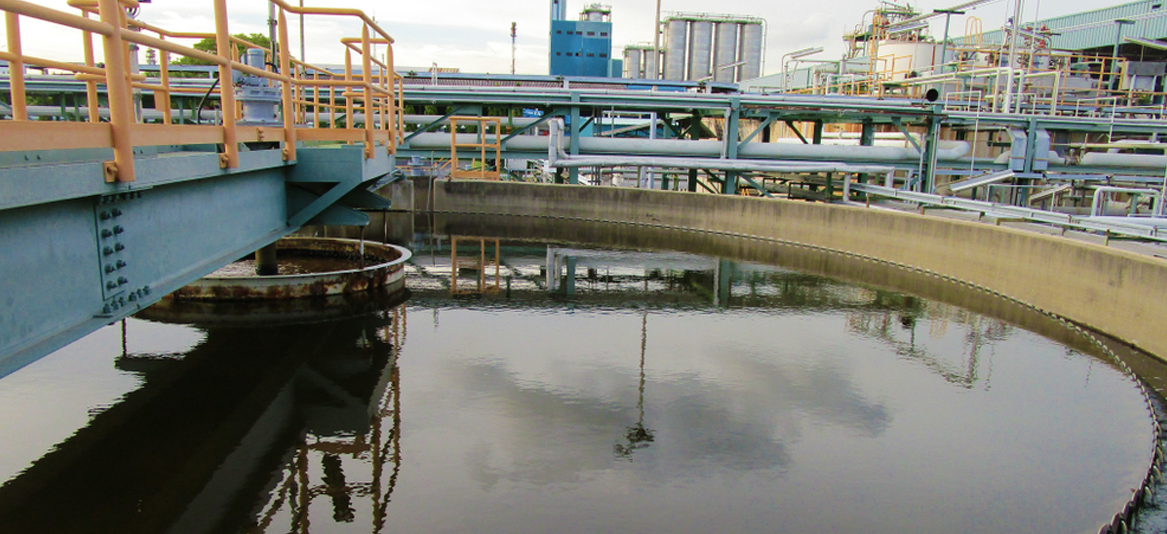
582	47
1108	54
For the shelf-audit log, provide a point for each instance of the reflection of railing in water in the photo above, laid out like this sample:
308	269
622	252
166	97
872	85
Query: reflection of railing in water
481	264
378	447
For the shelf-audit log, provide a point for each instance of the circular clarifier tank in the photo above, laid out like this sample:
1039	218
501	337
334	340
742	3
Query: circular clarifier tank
308	267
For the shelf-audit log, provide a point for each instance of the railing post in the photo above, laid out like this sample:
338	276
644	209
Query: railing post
121	106
230	157
16	67
394	97
90	85
399	111
348	89
289	106
162	98
367	79
315	100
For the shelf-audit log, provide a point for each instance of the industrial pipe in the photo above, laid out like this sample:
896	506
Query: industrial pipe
708	148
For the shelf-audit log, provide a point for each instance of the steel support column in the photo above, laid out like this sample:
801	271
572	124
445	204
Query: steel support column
573	138
928	158
731	145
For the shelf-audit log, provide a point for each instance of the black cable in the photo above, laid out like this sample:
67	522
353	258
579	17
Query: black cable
199	110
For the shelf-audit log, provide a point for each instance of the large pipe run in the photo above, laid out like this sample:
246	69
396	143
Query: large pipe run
709	148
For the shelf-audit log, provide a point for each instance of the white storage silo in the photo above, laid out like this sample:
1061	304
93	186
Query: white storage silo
750	51
651	70
725	51
676	33
632	63
700	49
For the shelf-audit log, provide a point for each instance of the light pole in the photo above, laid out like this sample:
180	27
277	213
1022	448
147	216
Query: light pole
656	47
1115	78
1012	58
792	56
948	13
1119	23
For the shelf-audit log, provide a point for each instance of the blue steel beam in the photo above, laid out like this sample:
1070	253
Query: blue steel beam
80	253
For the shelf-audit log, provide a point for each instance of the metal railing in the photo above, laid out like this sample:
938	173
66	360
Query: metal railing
1147	228
480	166
305	90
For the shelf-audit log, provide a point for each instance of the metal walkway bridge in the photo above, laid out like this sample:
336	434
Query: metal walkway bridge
99	219
119	183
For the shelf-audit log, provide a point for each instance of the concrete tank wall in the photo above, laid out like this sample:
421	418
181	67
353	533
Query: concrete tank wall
1112	291
700	50
725	51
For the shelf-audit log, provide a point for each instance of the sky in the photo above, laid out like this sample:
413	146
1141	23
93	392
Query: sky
474	36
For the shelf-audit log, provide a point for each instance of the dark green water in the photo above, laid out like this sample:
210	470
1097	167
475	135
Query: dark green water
650	392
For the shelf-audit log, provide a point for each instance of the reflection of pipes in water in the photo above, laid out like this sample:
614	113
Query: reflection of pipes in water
723	284
560	272
361	250
375	447
342	502
638	436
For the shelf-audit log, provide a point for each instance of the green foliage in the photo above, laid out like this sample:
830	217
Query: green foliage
208	45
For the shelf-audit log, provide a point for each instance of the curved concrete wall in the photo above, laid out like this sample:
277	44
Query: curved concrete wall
1109	290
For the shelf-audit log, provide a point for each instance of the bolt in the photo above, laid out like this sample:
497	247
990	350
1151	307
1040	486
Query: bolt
133	297
106	309
146	289
121	301
107	251
105	233
122	281
118	229
119	247
111	286
117	212
104	215
115	305
109	268
121	264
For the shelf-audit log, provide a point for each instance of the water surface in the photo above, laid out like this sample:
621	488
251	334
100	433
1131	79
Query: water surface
626	391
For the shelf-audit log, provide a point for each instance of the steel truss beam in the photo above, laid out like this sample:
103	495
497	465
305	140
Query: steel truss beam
80	253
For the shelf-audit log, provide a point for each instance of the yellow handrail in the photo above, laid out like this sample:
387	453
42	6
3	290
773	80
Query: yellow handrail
379	94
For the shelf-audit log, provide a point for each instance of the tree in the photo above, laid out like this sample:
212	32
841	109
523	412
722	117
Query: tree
208	45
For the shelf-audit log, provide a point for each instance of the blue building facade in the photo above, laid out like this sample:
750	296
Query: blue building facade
580	47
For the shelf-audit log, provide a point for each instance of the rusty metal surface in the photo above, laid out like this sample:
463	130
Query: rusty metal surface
385	271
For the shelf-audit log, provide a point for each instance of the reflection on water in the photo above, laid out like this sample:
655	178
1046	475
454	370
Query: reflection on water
534	387
198	444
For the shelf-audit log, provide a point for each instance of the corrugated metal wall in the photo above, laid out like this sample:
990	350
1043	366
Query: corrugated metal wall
1096	29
